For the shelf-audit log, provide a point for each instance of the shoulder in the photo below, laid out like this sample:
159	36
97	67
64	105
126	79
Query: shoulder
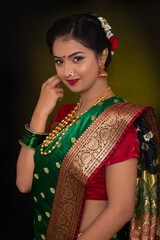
128	148
65	109
124	111
62	113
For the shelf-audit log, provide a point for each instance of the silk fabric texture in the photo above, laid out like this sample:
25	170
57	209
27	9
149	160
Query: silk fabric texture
46	174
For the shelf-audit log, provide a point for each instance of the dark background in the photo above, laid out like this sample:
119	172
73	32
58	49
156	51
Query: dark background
26	63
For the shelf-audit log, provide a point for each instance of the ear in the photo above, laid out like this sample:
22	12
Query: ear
103	56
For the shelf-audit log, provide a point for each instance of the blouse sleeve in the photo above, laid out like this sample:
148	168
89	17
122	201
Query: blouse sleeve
62	113
128	148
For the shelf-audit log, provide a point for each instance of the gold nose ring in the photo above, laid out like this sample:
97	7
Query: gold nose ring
71	73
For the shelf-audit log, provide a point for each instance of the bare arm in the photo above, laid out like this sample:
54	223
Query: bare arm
50	93
121	187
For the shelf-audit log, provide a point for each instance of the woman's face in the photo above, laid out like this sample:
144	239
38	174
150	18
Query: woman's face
70	55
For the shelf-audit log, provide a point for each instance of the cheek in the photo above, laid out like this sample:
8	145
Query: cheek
89	68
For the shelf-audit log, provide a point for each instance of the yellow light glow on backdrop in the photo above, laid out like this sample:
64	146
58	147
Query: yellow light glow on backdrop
132	72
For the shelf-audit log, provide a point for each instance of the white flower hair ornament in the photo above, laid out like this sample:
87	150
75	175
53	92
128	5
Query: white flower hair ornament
107	28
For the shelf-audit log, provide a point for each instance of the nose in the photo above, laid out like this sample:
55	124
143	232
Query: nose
68	70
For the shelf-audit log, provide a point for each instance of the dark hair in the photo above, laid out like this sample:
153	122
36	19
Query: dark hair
84	28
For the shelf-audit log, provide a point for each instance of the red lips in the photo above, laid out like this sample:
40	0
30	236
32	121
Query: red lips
73	81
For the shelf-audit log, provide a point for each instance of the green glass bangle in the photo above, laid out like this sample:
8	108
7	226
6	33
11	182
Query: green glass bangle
31	139
24	145
32	132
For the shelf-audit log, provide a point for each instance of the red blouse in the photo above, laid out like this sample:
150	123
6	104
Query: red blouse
95	187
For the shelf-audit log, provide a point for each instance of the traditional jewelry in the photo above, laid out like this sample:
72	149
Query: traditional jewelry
107	28
102	72
65	124
71	73
31	139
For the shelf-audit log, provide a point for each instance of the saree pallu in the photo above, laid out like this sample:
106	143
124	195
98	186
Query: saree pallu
97	140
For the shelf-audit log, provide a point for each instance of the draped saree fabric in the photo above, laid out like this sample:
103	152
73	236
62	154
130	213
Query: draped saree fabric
59	179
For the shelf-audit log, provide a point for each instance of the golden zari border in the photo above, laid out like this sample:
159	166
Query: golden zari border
81	161
147	227
144	227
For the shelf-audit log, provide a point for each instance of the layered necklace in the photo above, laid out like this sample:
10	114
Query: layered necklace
65	124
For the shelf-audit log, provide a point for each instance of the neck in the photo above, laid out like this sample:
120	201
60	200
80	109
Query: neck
89	97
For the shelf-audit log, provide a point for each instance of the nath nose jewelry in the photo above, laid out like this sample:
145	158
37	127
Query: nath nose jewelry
71	73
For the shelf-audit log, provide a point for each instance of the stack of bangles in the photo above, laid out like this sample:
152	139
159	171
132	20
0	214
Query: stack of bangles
31	139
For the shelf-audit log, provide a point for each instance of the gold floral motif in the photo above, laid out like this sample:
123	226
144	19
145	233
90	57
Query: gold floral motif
46	170
42	236
73	139
93	117
39	218
58	165
93	144
47	214
36	176
78	121
148	136
52	190
80	162
35	199
42	195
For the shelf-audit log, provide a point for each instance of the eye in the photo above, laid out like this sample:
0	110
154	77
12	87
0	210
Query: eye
78	58
58	62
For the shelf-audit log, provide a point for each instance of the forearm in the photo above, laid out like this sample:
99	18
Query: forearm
107	224
25	166
50	94
38	121
25	163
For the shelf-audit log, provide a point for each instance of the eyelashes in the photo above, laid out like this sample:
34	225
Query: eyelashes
75	59
58	62
78	58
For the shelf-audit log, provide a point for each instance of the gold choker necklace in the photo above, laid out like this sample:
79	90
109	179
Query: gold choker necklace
65	124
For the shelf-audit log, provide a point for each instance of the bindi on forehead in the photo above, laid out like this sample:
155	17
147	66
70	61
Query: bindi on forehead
63	56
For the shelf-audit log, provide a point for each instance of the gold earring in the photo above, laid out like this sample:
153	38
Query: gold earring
104	52
102	72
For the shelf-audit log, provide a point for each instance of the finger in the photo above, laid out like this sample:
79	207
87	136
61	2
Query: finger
59	85
54	83
60	97
59	90
53	78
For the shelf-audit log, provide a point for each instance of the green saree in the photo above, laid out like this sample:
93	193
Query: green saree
59	178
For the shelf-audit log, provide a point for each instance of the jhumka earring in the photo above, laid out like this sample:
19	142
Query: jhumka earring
102	72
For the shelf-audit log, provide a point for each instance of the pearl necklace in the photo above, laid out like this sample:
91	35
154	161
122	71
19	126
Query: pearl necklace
65	124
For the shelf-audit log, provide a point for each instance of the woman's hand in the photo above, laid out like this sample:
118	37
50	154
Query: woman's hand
51	92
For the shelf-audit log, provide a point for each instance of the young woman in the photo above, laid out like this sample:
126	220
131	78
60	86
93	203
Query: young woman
100	154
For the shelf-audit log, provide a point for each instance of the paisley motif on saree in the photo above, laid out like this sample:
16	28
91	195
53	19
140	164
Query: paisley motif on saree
99	140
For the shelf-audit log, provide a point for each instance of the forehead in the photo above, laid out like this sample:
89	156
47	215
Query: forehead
66	47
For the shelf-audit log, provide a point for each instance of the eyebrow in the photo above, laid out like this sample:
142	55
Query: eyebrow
69	55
